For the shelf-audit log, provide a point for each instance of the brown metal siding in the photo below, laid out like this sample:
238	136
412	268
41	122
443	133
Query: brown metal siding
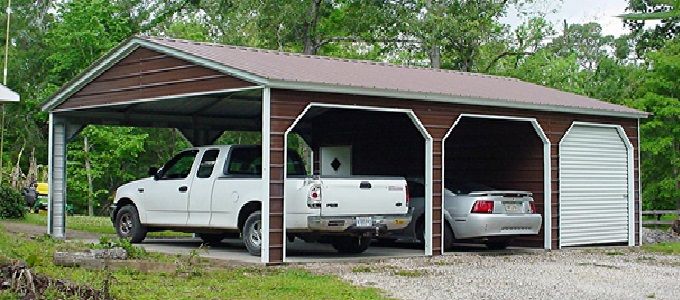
148	74
439	117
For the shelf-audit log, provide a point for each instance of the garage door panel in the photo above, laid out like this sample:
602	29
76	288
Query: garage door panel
593	186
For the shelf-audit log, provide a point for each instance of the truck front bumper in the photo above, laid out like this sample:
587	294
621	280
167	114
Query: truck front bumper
378	224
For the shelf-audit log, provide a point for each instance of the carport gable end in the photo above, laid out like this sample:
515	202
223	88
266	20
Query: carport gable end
252	69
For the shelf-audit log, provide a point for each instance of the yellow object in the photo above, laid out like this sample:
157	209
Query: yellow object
42	188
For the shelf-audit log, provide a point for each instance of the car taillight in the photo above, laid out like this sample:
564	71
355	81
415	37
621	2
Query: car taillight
482	207
408	196
532	206
314	197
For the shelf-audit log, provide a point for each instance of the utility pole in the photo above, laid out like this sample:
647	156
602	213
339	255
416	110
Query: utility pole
4	82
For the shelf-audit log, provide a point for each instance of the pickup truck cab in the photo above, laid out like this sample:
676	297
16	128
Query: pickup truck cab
214	191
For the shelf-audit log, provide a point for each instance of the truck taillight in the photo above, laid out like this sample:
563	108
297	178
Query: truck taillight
314	198
408	196
482	207
532	206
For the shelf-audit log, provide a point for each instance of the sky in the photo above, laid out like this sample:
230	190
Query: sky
578	11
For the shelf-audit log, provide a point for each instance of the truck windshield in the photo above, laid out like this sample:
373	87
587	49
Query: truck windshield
248	161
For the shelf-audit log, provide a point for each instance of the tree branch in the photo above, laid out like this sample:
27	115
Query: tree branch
504	54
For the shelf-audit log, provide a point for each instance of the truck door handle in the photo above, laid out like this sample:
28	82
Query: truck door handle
141	190
365	185
183	188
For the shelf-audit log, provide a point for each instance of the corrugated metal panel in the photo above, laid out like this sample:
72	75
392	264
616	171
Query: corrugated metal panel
298	68
593	186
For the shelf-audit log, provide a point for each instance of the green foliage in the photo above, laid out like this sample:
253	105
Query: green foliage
12	204
134	282
660	133
665	248
133	252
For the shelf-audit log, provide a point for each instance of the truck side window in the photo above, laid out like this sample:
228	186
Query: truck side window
207	165
179	166
248	161
244	161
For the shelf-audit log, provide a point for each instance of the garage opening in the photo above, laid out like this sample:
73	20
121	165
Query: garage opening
493	166
363	149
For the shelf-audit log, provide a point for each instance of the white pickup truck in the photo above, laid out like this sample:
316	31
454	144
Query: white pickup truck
214	191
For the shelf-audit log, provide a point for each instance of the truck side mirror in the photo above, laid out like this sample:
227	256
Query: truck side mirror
153	171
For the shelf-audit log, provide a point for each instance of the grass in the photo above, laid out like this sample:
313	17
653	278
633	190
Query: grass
6	295
410	273
208	283
97	224
665	248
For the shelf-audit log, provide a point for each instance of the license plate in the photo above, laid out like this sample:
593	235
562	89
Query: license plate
512	207
364	222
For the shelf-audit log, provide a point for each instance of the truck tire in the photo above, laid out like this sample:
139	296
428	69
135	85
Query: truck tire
212	239
128	225
351	244
252	233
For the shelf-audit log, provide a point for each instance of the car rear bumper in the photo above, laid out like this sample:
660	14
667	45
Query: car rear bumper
380	224
490	225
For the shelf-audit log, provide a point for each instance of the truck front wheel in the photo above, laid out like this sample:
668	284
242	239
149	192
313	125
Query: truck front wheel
351	244
252	233
128	225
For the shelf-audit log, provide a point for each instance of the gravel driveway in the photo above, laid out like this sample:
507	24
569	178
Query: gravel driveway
614	273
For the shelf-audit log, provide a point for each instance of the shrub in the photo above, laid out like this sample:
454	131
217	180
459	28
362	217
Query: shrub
133	252
11	203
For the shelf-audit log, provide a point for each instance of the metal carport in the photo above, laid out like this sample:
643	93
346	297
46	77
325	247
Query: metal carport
203	89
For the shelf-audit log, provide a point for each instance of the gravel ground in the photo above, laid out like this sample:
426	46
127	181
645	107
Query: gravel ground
652	236
613	273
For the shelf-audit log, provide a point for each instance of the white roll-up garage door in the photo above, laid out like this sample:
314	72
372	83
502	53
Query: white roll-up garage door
594	174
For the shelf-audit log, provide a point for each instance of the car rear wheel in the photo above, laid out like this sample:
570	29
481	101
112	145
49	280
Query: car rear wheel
252	233
449	237
128	225
351	244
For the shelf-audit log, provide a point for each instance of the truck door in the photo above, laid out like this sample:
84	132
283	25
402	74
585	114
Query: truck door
166	199
201	189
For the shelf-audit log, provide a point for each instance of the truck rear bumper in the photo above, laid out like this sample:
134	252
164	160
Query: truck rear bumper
380	224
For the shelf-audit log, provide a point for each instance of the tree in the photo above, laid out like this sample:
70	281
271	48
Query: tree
660	133
665	12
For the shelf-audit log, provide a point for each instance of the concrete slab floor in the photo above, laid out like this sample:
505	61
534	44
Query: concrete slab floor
298	251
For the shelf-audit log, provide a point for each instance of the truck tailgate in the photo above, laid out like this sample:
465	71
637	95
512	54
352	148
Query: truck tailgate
363	196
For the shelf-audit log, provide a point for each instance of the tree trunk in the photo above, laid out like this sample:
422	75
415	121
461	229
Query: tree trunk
309	33
435	57
88	171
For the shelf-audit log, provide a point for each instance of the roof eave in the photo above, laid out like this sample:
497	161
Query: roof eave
327	88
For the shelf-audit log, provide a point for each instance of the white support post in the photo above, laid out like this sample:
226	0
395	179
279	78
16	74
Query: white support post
428	199
56	210
266	159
